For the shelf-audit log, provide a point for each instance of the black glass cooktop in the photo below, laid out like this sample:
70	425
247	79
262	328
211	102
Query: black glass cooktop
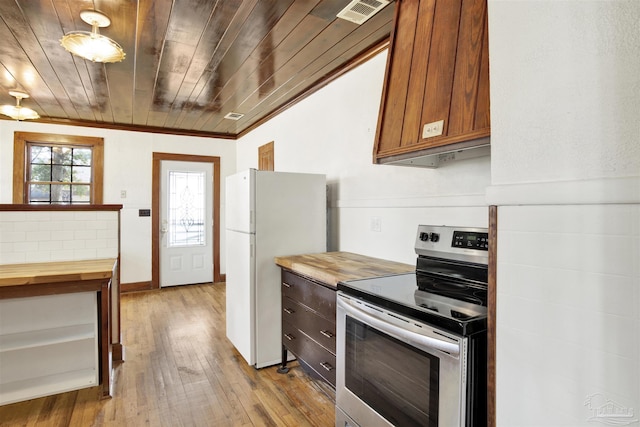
455	306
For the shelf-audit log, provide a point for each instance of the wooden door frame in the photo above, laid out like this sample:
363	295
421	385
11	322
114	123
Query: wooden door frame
491	319
155	211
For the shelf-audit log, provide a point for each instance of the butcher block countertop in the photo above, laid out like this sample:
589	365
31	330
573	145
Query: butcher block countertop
54	272
333	267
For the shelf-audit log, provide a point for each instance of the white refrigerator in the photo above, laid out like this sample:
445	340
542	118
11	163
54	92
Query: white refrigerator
267	214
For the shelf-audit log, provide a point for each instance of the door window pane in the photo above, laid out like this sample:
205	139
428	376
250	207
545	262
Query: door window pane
186	208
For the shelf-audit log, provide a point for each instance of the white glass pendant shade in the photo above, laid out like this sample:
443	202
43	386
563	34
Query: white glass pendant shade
92	45
18	112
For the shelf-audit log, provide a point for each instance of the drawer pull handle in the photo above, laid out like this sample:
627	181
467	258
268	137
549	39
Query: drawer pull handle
327	334
289	337
286	285
288	310
326	366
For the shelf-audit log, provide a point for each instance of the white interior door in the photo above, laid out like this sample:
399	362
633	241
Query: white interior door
186	223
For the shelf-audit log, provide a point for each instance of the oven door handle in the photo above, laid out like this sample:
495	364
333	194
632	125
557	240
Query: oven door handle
422	341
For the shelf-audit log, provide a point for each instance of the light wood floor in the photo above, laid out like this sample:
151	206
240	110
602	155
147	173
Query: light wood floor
181	370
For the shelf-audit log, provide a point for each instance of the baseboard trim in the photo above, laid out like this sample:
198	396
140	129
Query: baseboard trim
118	352
147	286
135	287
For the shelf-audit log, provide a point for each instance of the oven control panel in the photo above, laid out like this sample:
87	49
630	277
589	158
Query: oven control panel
461	243
470	240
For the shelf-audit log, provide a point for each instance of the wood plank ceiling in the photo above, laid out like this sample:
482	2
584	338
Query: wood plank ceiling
188	63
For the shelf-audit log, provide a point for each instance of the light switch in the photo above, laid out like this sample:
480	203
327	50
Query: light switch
376	224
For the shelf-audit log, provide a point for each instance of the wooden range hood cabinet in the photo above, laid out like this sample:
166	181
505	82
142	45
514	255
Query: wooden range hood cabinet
435	100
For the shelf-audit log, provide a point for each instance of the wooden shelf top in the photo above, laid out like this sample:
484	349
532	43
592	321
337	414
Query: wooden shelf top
334	267
53	272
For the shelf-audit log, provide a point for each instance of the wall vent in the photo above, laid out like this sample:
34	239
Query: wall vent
359	11
234	116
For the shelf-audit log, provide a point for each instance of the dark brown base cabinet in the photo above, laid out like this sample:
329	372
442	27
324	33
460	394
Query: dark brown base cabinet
309	325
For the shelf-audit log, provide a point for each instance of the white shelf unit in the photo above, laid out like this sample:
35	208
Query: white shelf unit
48	345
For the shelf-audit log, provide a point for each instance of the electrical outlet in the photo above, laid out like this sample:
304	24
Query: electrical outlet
376	224
432	129
123	194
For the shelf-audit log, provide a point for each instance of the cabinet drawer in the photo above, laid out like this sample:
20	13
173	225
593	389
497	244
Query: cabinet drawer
321	330
317	297
317	357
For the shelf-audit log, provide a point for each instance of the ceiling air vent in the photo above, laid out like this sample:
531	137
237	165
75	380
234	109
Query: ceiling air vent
359	11
233	116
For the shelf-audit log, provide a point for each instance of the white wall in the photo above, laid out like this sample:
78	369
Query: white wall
127	166
332	132
565	98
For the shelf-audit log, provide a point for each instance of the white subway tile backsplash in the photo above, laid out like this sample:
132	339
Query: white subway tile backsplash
57	236
106	216
61	235
13	216
26	225
13	258
51	225
108	252
85	254
72	225
40	216
97	225
85	234
14	236
96	244
62	255
37	235
38	256
85	216
49	246
74	244
25	246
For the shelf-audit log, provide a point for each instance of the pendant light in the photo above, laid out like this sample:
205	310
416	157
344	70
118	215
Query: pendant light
18	112
92	45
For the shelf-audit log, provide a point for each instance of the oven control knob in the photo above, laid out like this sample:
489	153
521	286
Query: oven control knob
435	237
424	236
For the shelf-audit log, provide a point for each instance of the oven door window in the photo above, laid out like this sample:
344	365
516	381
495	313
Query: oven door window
398	381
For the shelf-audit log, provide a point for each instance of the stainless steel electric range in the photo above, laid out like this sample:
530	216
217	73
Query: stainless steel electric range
412	348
